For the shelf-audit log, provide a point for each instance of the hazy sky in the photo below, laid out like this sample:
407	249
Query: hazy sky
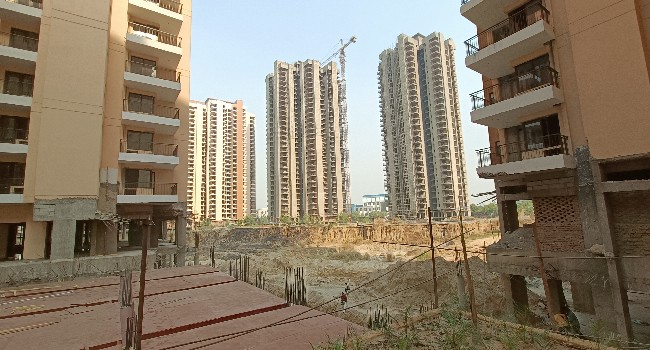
234	45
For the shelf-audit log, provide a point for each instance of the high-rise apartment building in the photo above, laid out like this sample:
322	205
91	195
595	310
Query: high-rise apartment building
93	125
421	128
221	170
565	99
303	140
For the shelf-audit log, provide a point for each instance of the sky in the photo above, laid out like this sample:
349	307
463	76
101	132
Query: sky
235	43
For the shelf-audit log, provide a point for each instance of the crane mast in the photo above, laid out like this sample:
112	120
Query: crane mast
343	116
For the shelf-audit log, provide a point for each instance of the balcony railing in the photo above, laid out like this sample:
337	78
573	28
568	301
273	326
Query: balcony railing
157	110
32	3
544	146
516	22
19	41
153	71
149	189
537	78
154	34
18	88
170	5
158	149
16	136
463	2
12	185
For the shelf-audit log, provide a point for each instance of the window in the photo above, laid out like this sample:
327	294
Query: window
12	177
541	133
140	142
18	84
143	66
137	178
141	103
22	39
13	129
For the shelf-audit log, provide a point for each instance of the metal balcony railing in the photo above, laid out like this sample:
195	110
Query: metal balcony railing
16	136
159	149
31	3
12	185
19	41
149	188
463	2
157	110
154	34
170	5
537	78
516	22
153	71
17	88
544	146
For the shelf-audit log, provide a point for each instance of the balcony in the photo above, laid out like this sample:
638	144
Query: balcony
17	50
16	96
13	144
503	105
147	192
492	51
155	155
164	120
167	13
165	83
549	152
11	190
154	42
21	11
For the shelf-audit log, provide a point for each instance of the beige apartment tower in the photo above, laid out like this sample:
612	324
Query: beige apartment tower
221	169
93	123
565	98
303	140
421	128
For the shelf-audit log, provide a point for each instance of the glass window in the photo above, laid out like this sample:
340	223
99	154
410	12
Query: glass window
141	103
139	141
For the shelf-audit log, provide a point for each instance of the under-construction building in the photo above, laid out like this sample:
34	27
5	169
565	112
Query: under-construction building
304	145
221	162
565	99
421	128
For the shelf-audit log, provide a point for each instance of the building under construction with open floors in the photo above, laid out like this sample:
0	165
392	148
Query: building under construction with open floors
565	99
303	140
93	114
421	128
221	169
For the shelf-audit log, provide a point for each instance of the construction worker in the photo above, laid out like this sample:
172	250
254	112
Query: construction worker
344	300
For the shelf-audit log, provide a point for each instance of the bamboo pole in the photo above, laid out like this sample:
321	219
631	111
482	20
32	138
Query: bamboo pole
433	262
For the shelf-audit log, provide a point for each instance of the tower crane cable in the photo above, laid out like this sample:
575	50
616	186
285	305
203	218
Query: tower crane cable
343	120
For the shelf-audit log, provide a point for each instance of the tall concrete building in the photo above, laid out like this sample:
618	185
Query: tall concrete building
421	128
221	171
565	99
93	117
303	140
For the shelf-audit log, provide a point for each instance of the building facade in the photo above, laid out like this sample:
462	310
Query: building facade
304	141
221	172
567	122
373	203
421	128
93	116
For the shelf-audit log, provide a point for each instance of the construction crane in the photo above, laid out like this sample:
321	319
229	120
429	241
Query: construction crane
343	115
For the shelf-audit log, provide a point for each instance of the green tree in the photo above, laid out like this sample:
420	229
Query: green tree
286	220
485	211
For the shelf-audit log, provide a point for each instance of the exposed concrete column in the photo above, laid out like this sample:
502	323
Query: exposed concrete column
515	293
35	240
604	309
181	240
110	242
63	238
556	294
97	238
508	216
583	300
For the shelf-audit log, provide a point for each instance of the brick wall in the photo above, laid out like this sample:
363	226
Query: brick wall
563	186
631	221
558	224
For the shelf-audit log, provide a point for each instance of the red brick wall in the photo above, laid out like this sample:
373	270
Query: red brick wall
558	224
631	221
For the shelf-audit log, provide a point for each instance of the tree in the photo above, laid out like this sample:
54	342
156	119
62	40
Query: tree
286	220
489	210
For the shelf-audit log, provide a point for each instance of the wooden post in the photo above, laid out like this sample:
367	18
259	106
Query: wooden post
143	271
433	262
470	283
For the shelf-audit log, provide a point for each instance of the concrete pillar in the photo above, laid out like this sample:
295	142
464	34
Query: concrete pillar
110	244
583	300
515	293
556	293
181	240
103	238
508	216
63	237
35	240
604	308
